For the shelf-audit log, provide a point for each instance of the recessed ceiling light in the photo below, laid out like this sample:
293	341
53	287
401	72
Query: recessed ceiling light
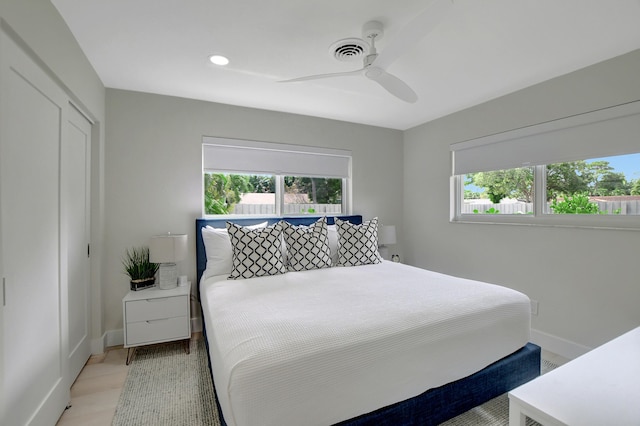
219	60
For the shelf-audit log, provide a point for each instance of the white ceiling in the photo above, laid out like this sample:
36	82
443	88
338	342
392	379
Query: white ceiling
482	49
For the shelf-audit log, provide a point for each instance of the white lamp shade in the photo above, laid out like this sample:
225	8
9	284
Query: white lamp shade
386	235
169	248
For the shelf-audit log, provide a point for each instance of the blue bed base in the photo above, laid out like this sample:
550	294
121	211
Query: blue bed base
446	402
432	407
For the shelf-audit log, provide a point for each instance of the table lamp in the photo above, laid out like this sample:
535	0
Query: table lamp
167	250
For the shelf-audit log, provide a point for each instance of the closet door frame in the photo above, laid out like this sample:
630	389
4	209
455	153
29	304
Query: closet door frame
33	108
75	234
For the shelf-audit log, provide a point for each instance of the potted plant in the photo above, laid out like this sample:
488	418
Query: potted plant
140	270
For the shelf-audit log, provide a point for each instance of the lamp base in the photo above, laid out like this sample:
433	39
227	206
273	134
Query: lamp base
167	276
384	252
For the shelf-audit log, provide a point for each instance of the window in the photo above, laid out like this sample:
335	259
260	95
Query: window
607	185
312	195
239	194
579	171
499	192
260	178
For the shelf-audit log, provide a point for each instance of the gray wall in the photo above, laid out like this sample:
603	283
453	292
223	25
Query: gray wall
154	173
586	280
40	25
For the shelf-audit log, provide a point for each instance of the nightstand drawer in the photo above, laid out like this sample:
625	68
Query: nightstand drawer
156	308
155	331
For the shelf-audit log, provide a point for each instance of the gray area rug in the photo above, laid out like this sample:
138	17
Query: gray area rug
167	387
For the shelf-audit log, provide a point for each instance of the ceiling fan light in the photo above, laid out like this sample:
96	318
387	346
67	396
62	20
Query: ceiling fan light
219	60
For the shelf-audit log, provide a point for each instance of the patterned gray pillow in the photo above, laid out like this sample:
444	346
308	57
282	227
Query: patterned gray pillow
307	246
358	244
256	252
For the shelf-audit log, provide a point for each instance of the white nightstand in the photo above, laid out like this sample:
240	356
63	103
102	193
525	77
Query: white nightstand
155	316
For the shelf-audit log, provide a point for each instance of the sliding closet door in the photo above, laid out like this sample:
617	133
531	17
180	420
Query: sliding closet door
32	110
74	230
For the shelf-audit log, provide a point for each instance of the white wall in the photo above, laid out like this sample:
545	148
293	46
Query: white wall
39	25
154	176
586	280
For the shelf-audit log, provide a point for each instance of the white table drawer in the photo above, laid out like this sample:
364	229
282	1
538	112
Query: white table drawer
158	330
155	308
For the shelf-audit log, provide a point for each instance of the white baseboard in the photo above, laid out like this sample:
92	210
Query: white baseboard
558	345
115	337
98	345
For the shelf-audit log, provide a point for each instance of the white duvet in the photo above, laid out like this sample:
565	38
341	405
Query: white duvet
318	347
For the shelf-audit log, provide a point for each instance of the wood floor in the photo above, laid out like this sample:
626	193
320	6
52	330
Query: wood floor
95	393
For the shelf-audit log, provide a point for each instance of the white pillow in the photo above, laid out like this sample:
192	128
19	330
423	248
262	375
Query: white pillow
332	231
217	246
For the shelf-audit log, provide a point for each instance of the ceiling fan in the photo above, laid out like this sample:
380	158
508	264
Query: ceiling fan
374	63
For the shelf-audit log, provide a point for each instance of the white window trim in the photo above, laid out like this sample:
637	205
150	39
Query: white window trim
279	206
280	195
287	149
540	217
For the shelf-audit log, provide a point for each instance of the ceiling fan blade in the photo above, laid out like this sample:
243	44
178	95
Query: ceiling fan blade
414	31
392	84
319	76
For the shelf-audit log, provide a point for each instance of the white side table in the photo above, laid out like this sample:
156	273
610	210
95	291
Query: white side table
602	387
155	316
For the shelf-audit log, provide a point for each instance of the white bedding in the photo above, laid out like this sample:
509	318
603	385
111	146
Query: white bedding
318	347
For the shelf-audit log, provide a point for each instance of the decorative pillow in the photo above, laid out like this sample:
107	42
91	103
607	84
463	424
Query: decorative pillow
256	252
217	247
307	246
358	243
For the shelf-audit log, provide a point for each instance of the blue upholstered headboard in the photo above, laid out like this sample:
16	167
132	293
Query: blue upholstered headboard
201	256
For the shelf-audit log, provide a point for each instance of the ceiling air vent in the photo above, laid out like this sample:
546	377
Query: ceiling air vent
349	49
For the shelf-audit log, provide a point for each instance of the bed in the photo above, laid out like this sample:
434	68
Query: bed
358	345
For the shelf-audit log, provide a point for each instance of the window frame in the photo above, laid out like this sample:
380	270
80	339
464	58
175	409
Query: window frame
278	160
539	217
627	114
345	208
